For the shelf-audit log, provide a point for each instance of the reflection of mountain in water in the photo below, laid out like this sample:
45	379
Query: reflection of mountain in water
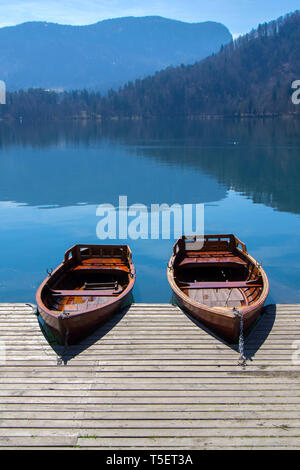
78	165
260	158
68	163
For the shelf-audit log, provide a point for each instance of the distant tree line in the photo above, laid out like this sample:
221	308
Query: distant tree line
251	75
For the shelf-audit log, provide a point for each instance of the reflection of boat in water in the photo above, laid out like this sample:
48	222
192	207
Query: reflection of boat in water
216	281
91	284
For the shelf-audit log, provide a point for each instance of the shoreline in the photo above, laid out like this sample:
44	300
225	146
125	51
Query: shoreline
200	117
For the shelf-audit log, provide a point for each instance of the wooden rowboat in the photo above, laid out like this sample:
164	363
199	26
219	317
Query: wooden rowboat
215	280
92	283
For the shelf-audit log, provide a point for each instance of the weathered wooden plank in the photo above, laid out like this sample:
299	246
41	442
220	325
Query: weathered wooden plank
158	385
155	408
147	353
138	400
190	442
151	433
146	418
175	368
9	426
156	364
143	347
60	374
154	355
228	382
293	395
60	441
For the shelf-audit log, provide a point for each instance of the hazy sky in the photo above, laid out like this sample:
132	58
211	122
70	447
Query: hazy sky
240	16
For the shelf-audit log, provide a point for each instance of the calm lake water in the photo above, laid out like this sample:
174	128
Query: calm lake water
53	177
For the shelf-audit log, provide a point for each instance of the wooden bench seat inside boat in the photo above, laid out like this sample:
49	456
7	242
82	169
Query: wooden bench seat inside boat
85	293
211	258
102	263
220	285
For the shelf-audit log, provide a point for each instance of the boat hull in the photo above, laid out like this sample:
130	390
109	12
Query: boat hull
225	326
71	329
221	320
72	312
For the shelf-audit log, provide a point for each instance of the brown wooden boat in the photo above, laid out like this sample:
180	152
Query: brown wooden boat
216	281
92	283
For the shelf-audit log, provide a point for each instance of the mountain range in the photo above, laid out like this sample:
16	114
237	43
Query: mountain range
103	55
250	76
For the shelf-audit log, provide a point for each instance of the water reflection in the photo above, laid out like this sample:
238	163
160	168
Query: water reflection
69	163
93	170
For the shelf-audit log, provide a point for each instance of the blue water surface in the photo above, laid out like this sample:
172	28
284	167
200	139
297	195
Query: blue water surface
53	177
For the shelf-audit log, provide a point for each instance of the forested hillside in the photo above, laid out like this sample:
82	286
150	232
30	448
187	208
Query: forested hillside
250	76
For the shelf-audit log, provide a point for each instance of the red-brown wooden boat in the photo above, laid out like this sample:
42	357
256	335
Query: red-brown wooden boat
215	280
92	283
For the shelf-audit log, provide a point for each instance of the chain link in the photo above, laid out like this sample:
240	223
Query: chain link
242	358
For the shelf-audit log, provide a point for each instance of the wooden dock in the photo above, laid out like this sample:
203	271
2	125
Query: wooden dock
150	379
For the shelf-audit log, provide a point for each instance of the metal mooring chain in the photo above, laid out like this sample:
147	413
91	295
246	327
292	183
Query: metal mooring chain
242	358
